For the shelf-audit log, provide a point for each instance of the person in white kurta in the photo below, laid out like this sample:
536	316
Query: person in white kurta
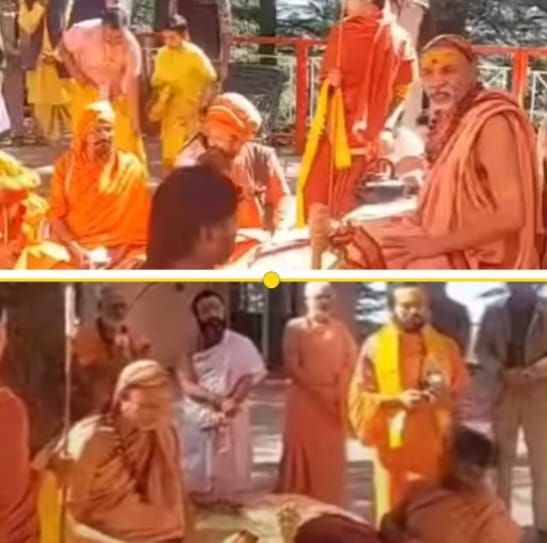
217	458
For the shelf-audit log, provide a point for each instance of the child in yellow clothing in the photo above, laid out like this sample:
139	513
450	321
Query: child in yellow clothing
183	82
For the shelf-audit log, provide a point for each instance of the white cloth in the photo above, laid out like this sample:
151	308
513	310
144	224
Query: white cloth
5	123
219	461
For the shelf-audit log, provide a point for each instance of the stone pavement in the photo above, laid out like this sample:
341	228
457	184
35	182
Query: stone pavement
267	424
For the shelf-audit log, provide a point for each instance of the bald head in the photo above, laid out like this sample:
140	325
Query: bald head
320	298
448	68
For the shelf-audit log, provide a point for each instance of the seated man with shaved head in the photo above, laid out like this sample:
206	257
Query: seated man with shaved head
480	207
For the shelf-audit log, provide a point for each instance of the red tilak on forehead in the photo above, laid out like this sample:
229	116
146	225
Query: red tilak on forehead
452	40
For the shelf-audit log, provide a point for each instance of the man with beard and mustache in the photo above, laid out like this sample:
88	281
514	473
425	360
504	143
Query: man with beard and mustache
403	396
480	207
319	356
217	383
99	203
102	349
226	142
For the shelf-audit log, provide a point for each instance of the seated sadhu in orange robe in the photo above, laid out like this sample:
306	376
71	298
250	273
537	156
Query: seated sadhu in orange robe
23	212
368	68
101	350
125	480
403	394
319	356
99	203
18	514
480	207
463	506
229	127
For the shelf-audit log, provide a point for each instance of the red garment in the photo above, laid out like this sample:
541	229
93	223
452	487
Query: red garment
18	515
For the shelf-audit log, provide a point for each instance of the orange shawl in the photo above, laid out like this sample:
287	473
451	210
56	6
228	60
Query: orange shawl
434	514
454	188
103	206
102	492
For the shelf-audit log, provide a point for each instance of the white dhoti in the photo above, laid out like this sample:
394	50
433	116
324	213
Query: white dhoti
218	459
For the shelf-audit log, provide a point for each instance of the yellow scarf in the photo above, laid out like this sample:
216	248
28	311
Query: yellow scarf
329	108
387	366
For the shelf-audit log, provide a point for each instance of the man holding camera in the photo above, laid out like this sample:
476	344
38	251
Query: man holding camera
403	396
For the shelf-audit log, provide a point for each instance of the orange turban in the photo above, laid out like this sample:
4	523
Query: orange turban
234	114
96	112
142	374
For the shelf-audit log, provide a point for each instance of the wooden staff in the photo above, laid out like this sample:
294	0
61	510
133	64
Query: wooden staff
319	224
70	331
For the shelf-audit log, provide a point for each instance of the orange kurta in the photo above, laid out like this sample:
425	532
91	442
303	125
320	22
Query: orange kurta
417	452
457	191
314	439
97	367
377	62
102	206
18	515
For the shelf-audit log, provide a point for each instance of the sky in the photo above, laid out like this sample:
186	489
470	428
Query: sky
467	293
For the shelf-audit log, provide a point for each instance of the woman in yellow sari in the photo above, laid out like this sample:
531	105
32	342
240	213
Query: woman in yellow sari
183	83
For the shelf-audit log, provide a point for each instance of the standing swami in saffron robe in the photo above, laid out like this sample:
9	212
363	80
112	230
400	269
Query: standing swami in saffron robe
319	354
183	82
480	207
18	513
402	397
367	72
99	203
230	125
218	443
125	481
461	507
42	25
23	213
101	350
104	60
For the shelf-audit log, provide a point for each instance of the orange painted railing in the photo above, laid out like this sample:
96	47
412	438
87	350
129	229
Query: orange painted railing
303	48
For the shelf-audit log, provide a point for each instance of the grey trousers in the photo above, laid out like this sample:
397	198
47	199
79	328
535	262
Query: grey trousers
13	90
523	409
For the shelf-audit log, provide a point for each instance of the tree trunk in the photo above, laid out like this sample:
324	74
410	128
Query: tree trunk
34	358
267	28
450	17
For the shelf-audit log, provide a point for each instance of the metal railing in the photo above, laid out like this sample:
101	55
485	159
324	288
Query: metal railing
507	68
